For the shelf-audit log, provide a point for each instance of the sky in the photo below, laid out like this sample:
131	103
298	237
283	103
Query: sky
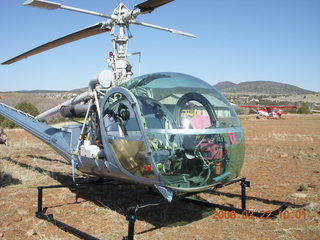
238	40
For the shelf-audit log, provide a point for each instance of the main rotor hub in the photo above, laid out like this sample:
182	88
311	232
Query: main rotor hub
118	61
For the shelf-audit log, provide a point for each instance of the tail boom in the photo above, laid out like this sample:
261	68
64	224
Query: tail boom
46	133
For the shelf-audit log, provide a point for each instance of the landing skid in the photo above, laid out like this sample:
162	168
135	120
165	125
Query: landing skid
131	218
49	217
243	210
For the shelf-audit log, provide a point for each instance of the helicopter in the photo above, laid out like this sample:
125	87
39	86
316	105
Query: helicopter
167	130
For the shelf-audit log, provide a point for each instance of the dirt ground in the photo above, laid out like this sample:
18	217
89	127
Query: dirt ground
282	162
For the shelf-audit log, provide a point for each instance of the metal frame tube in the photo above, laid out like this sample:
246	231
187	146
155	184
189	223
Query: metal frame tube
56	109
49	217
83	125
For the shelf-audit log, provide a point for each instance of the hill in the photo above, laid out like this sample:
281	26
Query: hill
260	87
224	85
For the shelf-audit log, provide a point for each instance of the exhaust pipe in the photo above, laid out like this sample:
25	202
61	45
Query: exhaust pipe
73	111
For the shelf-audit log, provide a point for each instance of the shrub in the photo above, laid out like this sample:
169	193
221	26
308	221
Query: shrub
252	111
292	110
23	106
1	120
27	107
303	110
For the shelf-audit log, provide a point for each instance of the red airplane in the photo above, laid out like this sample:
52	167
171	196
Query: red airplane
270	111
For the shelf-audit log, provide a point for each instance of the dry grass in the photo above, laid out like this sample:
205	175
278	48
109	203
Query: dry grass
280	137
277	163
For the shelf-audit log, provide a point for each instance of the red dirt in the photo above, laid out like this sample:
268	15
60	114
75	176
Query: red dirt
282	163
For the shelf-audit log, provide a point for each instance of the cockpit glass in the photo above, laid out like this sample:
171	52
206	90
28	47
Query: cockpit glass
185	98
124	136
192	131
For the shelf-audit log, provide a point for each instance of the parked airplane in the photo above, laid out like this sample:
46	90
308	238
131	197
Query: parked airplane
270	111
316	109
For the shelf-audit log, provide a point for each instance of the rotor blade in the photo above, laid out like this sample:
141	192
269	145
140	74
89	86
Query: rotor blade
87	32
53	5
42	4
150	5
163	28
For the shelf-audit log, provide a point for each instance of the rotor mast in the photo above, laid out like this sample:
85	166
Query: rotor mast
118	59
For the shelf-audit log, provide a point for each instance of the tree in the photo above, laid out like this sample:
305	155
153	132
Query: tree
292	110
1	120
303	110
23	106
252	111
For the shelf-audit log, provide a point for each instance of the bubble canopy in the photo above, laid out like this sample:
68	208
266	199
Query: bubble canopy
190	129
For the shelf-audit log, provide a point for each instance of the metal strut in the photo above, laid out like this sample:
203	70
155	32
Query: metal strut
49	217
131	220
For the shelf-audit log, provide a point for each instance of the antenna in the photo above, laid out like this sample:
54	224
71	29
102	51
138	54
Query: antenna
137	53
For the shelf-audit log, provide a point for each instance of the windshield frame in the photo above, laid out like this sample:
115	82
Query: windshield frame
156	86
